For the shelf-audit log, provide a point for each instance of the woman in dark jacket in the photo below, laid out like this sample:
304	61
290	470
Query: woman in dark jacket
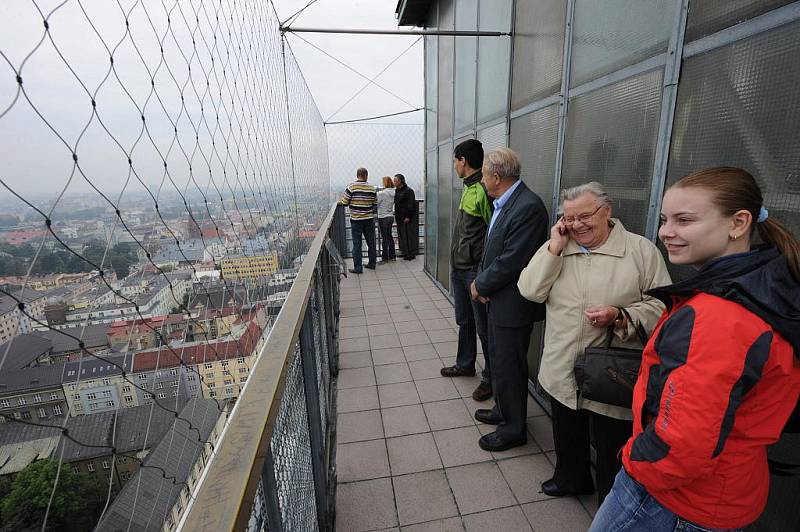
720	375
405	213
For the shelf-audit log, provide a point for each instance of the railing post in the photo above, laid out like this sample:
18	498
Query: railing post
270	488
318	461
330	313
339	231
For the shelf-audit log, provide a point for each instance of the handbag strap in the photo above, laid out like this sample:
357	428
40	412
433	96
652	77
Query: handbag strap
638	327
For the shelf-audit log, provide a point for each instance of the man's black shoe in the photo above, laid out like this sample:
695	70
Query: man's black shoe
455	371
482	392
370	267
351	270
488	416
550	488
494	443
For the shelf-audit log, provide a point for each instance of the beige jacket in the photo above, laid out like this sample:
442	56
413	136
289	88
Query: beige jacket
617	273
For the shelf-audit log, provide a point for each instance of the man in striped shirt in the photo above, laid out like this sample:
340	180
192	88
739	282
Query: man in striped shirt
362	199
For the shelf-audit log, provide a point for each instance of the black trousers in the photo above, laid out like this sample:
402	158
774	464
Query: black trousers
387	241
571	433
471	319
408	238
509	355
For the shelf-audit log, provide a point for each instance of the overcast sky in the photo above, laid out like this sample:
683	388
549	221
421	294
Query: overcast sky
332	84
59	77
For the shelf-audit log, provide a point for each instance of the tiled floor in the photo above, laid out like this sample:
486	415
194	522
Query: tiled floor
408	456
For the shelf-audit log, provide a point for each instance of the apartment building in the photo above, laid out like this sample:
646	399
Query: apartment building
13	321
32	394
92	385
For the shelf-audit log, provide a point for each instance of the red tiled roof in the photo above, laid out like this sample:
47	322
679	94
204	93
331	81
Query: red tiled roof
165	357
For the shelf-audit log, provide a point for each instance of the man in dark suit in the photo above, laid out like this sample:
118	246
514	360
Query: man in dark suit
405	213
518	227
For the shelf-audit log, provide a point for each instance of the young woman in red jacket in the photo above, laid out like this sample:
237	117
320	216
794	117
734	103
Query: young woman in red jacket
720	375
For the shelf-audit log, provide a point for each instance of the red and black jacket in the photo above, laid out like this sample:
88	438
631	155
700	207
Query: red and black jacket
719	378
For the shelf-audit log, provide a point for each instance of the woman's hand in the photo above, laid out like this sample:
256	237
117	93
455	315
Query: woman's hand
601	316
559	236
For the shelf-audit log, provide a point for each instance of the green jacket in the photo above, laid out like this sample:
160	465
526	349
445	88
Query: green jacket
471	224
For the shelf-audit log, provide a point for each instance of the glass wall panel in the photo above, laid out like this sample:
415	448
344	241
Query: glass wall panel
493	57
538	50
611	138
493	137
431	210
709	16
445	72
431	81
444	200
466	68
615	33
534	137
739	106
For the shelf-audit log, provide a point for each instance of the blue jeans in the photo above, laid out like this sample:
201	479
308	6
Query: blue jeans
629	507
471	319
367	229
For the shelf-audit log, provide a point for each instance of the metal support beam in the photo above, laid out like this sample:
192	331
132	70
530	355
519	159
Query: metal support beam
316	432
669	97
449	33
563	105
270	488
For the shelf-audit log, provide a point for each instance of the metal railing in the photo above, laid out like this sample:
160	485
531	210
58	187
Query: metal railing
347	250
273	468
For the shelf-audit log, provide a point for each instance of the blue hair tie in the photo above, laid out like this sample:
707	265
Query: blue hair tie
763	214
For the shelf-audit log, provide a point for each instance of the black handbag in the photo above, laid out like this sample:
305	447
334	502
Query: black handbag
607	374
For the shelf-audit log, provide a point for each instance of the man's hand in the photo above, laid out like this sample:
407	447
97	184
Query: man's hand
406	220
601	316
473	290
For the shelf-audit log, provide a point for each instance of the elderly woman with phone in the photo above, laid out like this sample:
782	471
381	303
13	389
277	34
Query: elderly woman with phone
592	274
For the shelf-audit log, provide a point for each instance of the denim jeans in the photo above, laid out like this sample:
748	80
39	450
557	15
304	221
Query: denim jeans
367	229
471	319
629	507
387	241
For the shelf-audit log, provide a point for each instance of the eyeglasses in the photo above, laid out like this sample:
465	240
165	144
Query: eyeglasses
583	218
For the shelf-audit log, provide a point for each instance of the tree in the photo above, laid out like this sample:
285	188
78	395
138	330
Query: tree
77	503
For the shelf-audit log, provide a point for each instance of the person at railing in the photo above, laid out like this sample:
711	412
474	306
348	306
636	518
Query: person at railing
469	236
405	212
386	218
720	377
589	270
361	198
518	226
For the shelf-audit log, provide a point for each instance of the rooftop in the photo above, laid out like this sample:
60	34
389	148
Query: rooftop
101	431
145	501
23	349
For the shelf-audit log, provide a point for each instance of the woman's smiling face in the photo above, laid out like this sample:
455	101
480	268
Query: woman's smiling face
587	220
693	229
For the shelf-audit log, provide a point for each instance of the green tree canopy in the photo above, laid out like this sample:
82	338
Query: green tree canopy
76	505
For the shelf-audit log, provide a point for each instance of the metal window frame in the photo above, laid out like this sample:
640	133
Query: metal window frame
669	98
760	24
563	104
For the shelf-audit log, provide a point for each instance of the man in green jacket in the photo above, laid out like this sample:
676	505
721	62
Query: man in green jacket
469	235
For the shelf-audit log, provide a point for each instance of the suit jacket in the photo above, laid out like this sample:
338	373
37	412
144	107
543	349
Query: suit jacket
405	203
520	229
